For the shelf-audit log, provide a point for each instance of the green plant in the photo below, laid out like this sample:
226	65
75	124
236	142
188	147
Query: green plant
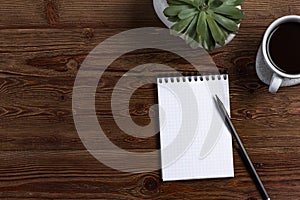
208	22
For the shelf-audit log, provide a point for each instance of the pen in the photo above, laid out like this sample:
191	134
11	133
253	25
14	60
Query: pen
244	153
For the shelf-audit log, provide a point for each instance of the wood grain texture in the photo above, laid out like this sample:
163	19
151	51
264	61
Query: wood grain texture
43	44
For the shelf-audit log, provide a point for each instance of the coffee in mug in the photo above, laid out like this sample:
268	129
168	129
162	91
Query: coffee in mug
281	49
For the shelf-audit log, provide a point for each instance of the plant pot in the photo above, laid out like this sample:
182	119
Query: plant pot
159	7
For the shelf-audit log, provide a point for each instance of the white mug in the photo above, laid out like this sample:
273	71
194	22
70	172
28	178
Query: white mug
278	75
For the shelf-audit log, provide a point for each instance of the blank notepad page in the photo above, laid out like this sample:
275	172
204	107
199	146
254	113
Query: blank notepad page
195	142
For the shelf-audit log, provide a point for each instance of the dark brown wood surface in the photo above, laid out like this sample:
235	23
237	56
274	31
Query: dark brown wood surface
42	46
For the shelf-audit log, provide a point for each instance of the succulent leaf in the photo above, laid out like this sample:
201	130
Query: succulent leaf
225	32
175	10
204	33
187	13
190	2
201	24
230	11
225	22
181	25
216	32
189	33
197	3
175	2
215	3
173	19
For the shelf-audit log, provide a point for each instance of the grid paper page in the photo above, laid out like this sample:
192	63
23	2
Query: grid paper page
195	142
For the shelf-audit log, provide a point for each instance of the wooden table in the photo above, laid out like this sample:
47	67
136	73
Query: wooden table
42	46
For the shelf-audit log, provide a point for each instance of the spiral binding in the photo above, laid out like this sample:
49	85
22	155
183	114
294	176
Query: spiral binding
183	79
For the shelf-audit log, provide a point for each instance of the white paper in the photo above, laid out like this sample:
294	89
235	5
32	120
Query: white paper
195	142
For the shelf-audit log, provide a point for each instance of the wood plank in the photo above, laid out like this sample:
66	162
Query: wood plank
59	52
119	14
49	174
61	136
77	13
51	52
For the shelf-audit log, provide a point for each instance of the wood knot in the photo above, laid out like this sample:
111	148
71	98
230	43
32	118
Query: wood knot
252	87
52	11
150	186
72	64
249	115
60	115
88	33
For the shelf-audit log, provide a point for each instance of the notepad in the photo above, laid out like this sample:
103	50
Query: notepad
194	140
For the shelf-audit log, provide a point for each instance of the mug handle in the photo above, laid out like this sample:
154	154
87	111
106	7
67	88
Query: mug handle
275	83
